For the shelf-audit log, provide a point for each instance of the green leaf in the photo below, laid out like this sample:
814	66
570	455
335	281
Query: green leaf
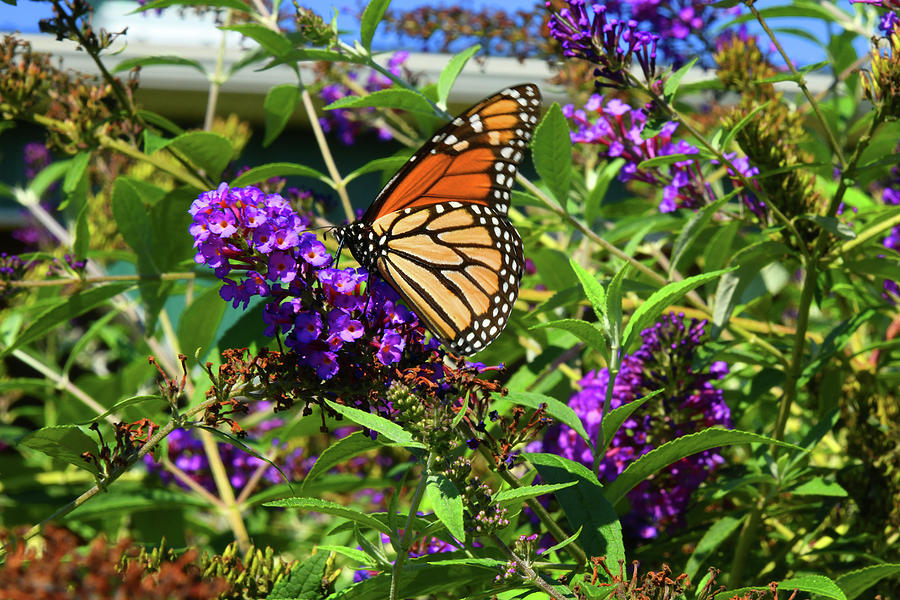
160	121
672	82
817	584
199	322
661	299
558	410
691	232
614	306
670	452
75	305
712	539
48	175
595	195
130	499
390	164
133	401
352	553
833	225
342	450
232	4
426	576
147	61
584	504
447	503
856	582
594	292
380	425
516	495
741	124
331	508
398	99
209	151
369	23
588	333
451	72
551	152
817	486
75	173
64	442
619	415
563	543
273	41
668	159
278	169
81	243
278	107
304	582
751	260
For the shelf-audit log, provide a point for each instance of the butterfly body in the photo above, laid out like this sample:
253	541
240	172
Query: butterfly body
439	234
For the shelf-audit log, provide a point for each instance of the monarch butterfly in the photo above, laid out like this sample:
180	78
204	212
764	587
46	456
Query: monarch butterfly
438	232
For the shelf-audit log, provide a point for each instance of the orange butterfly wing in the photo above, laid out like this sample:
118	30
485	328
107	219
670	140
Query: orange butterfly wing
473	159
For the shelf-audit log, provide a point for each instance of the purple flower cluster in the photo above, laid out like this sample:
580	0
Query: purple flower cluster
617	128
678	28
609	43
258	246
891	195
690	403
348	124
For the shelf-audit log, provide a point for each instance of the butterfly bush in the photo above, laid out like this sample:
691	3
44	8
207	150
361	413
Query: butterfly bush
690	403
259	246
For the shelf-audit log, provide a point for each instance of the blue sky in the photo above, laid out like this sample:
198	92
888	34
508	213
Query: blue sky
24	18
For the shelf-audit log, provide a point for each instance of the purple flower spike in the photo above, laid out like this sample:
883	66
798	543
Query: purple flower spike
691	404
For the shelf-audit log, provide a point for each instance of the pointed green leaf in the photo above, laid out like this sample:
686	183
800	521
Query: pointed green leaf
672	82
199	323
661	299
331	508
64	442
273	41
447	503
691	232
279	105
720	531
277	169
619	415
209	151
390	164
684	446
516	495
551	152
371	18
147	61
816	584
304	582
451	72
588	333
594	292
395	98
818	486
380	425
596	194
74	306
232	4
854	583
133	401
341	451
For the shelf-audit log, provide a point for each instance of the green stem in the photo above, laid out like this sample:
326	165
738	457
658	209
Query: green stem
742	549
530	574
226	493
403	550
216	82
340	187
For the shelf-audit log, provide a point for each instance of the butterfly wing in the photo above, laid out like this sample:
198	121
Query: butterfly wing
438	232
473	159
